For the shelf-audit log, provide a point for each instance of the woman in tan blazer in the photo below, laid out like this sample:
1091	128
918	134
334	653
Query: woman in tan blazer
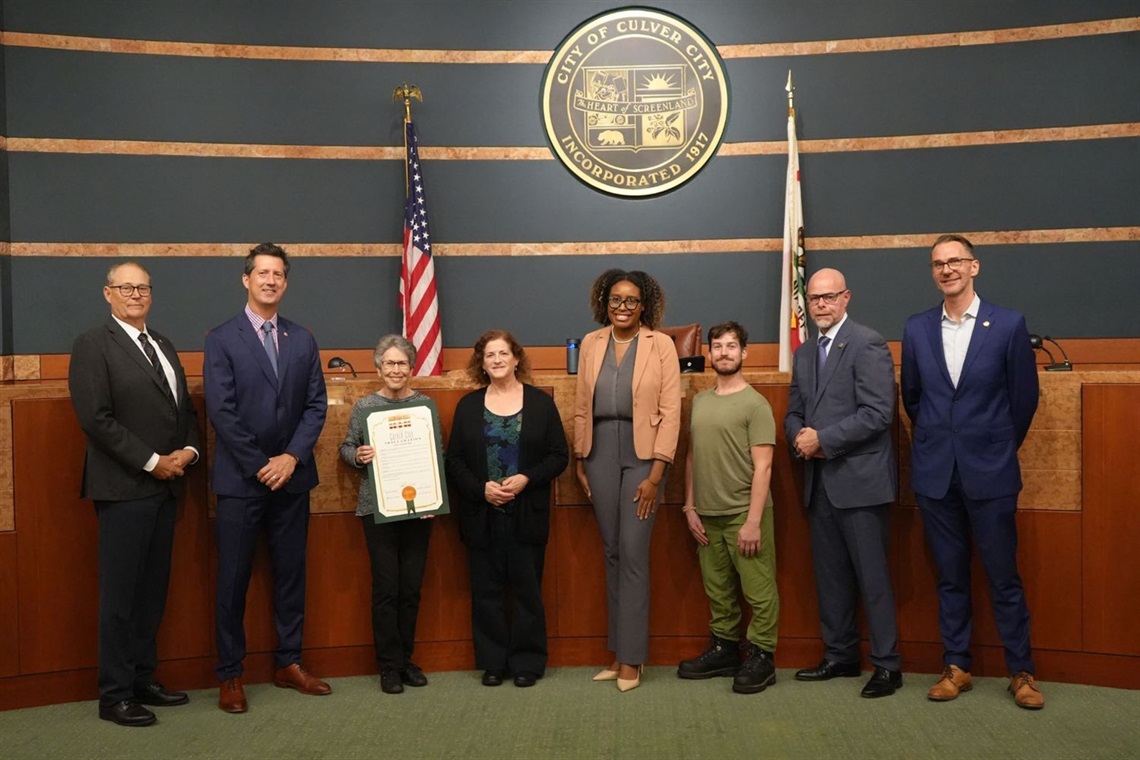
627	415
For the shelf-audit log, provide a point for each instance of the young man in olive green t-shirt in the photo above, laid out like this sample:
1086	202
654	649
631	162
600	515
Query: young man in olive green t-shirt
728	506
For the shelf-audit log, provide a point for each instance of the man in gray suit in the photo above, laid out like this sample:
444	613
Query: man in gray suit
129	393
840	407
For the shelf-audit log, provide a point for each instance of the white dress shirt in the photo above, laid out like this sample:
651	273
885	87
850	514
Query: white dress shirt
956	338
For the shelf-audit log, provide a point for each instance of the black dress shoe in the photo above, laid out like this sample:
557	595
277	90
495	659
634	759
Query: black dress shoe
826	670
492	678
127	713
411	675
390	682
882	684
154	695
524	679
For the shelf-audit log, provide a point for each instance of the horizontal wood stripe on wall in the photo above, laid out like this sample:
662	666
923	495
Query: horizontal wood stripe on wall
1085	354
540	57
508	153
578	248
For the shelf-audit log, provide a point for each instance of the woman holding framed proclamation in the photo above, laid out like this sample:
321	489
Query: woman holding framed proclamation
397	550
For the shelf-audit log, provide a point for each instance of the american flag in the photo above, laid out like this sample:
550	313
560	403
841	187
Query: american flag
417	270
793	314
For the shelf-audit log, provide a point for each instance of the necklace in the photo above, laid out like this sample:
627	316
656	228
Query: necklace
622	342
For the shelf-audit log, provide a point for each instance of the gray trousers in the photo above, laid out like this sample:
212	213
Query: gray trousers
614	472
849	552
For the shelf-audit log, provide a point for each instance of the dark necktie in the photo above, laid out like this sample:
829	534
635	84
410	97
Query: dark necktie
148	349
270	344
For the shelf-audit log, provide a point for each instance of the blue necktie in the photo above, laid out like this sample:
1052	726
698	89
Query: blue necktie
270	345
823	350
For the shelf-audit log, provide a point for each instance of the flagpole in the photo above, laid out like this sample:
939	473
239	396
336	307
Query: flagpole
793	330
791	89
419	301
406	92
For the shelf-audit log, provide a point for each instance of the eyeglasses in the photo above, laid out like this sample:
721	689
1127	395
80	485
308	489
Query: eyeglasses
952	264
629	304
128	290
394	365
828	298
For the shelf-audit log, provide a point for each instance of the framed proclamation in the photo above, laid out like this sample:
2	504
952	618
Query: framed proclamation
406	475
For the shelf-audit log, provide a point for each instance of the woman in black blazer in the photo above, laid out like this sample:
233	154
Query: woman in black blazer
507	445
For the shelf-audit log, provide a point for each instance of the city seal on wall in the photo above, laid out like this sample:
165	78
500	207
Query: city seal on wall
635	101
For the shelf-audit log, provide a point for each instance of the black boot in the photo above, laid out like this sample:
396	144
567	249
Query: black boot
722	658
757	673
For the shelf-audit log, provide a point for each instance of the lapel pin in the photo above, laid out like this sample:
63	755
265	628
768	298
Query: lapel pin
986	323
286	335
841	345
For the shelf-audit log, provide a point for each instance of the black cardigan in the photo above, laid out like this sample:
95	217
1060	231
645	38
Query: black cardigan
543	455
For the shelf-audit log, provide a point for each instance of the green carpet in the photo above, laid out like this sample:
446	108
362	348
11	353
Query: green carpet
568	716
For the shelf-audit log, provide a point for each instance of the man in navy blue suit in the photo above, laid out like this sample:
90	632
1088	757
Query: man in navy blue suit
265	396
969	386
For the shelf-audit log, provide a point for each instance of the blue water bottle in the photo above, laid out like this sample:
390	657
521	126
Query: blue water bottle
572	356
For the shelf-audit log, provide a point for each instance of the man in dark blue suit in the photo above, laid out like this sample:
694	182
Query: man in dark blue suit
129	393
265	396
969	386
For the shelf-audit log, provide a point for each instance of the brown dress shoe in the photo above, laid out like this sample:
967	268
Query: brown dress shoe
1025	693
954	680
231	696
296	677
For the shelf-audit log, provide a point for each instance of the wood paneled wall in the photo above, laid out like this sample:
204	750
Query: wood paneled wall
1079	569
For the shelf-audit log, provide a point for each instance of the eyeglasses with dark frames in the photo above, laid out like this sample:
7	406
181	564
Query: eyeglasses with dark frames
952	264
128	290
827	298
629	303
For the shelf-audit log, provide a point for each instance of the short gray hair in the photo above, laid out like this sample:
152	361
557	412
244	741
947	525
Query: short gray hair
116	267
394	341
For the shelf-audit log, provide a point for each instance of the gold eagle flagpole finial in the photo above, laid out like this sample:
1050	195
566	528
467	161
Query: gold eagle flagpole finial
791	90
406	92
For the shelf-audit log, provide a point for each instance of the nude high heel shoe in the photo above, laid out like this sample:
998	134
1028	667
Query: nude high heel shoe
624	685
606	675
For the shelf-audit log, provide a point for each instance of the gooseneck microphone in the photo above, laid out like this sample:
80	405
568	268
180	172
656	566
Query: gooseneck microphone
1038	344
338	363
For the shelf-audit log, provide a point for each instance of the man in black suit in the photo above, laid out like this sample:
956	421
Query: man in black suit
840	408
129	393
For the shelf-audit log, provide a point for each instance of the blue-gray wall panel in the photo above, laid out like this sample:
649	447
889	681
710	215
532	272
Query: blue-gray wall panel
1082	80
129	97
521	24
347	302
1067	291
54	93
5	229
88	198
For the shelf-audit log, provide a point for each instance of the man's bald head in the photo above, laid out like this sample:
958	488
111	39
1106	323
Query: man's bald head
828	297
